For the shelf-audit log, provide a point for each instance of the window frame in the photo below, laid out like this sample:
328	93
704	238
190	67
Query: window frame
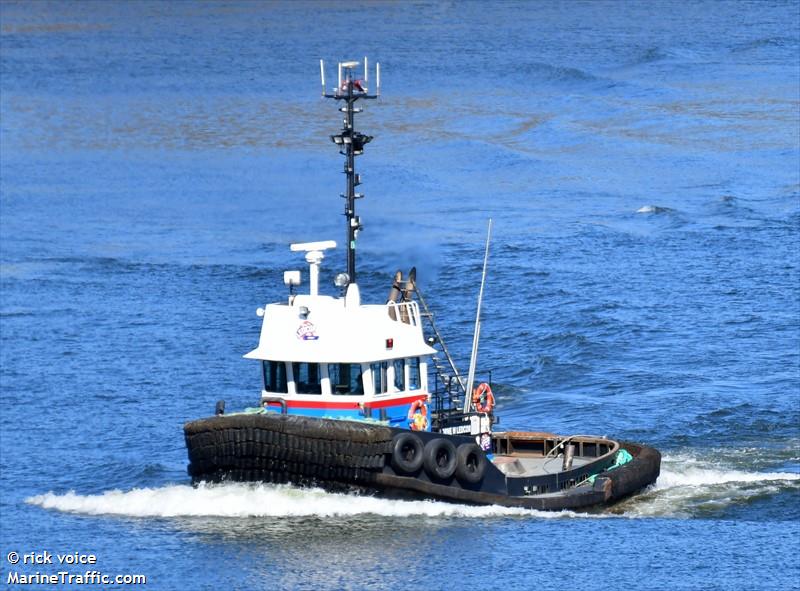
275	379
297	367
362	370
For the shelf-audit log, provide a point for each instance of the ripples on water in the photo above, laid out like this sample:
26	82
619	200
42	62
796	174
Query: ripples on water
641	167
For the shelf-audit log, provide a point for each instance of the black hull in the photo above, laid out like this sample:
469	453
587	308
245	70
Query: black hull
358	457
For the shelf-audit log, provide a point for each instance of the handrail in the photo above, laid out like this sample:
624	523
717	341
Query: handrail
562	442
439	339
265	400
405	312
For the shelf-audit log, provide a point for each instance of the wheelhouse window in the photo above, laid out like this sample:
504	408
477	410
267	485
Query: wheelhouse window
307	378
414	380
274	376
399	375
379	380
345	378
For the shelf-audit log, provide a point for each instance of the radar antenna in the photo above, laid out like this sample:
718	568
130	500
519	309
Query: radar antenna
349	89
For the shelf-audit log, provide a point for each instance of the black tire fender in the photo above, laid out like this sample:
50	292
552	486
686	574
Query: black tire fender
439	458
406	453
471	463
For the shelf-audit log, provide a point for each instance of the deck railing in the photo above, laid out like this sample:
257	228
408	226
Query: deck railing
405	312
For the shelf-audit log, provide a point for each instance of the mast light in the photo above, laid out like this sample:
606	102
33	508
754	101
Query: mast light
341	280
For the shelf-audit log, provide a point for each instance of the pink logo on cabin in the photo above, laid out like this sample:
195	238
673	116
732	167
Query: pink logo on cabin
307	332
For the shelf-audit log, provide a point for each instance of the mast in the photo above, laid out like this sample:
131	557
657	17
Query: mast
477	335
351	143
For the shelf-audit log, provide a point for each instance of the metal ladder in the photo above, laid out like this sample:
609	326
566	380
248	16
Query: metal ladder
437	362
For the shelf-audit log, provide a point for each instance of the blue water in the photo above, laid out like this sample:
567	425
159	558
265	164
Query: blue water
640	161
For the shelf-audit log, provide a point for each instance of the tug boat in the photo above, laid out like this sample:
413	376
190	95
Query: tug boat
356	398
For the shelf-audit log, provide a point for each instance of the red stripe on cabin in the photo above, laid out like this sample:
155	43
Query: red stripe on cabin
395	401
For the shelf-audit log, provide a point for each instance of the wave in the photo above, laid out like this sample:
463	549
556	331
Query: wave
688	487
254	500
655	209
650	55
655	54
691	487
765	42
698	476
70	268
16	313
556	74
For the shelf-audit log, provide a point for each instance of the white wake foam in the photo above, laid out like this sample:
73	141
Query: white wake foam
699	476
246	500
686	485
653	209
689	486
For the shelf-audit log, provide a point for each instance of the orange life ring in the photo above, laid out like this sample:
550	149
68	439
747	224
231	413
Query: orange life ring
418	415
482	398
